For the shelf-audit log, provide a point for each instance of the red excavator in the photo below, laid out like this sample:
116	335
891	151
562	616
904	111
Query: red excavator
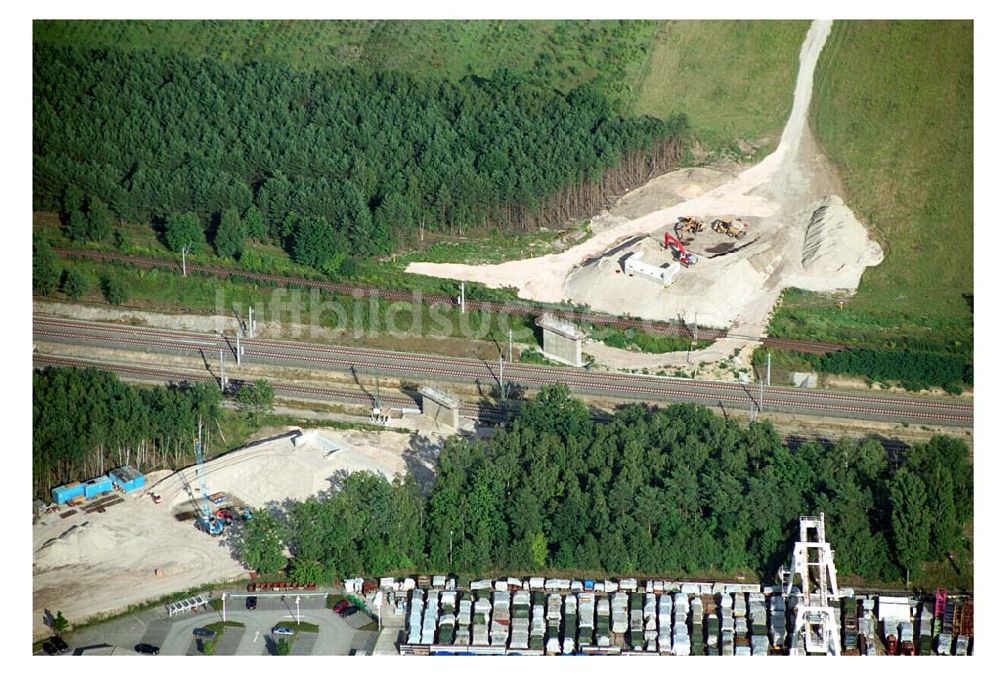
685	257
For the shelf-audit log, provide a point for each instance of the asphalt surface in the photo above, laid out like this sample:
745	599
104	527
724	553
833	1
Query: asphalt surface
435	368
175	635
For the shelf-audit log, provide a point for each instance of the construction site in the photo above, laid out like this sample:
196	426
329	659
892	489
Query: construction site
96	555
712	247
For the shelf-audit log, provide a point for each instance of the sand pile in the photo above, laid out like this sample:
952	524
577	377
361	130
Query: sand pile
79	544
711	292
290	467
837	248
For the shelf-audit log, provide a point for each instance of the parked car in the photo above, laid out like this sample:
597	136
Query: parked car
59	644
204	632
340	606
251	603
148	649
349	611
283	630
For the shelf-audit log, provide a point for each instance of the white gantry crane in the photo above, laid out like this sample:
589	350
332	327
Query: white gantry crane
816	630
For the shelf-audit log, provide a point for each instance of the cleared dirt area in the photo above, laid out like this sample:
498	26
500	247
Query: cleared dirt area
800	235
98	563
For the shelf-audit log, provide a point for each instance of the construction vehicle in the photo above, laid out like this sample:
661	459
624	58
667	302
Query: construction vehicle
206	520
735	228
689	224
685	257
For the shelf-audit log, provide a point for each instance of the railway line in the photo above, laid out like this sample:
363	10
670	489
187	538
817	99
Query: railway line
512	307
482	411
433	368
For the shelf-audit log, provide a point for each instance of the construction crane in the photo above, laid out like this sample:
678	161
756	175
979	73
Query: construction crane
816	629
206	521
685	257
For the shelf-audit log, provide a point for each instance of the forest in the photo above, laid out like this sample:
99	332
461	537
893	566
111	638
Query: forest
324	164
86	421
673	491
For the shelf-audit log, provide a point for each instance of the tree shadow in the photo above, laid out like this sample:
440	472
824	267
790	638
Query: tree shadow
270	645
420	459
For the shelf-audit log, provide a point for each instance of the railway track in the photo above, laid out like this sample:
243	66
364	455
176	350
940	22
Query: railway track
437	368
482	411
512	307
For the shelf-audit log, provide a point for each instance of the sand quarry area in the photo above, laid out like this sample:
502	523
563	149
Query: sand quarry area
801	234
99	563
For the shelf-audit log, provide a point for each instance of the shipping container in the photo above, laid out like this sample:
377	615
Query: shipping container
67	492
97	486
127	478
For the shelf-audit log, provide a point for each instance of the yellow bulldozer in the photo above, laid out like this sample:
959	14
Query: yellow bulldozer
734	228
689	224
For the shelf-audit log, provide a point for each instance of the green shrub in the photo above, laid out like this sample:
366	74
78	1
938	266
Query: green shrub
114	289
75	284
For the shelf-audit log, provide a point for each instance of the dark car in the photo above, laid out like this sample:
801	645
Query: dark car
349	611
340	606
204	632
59	644
147	649
251	603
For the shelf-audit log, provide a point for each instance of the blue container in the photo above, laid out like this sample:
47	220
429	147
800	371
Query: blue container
128	478
97	486
67	492
588	584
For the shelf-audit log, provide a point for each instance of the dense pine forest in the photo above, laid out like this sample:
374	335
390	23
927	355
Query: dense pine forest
322	163
86	421
675	490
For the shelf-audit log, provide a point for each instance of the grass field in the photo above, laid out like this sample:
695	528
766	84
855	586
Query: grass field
733	79
893	109
566	53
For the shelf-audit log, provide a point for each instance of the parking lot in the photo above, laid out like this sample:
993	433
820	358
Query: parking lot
175	635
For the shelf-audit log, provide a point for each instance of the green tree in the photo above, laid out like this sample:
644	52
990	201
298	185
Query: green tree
253	223
539	550
231	235
317	244
99	220
73	199
181	230
911	519
283	647
59	623
45	270
260	544
78	227
121	241
307	571
75	284
114	289
257	398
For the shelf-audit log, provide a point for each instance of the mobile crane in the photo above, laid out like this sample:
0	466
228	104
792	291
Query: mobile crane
207	521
